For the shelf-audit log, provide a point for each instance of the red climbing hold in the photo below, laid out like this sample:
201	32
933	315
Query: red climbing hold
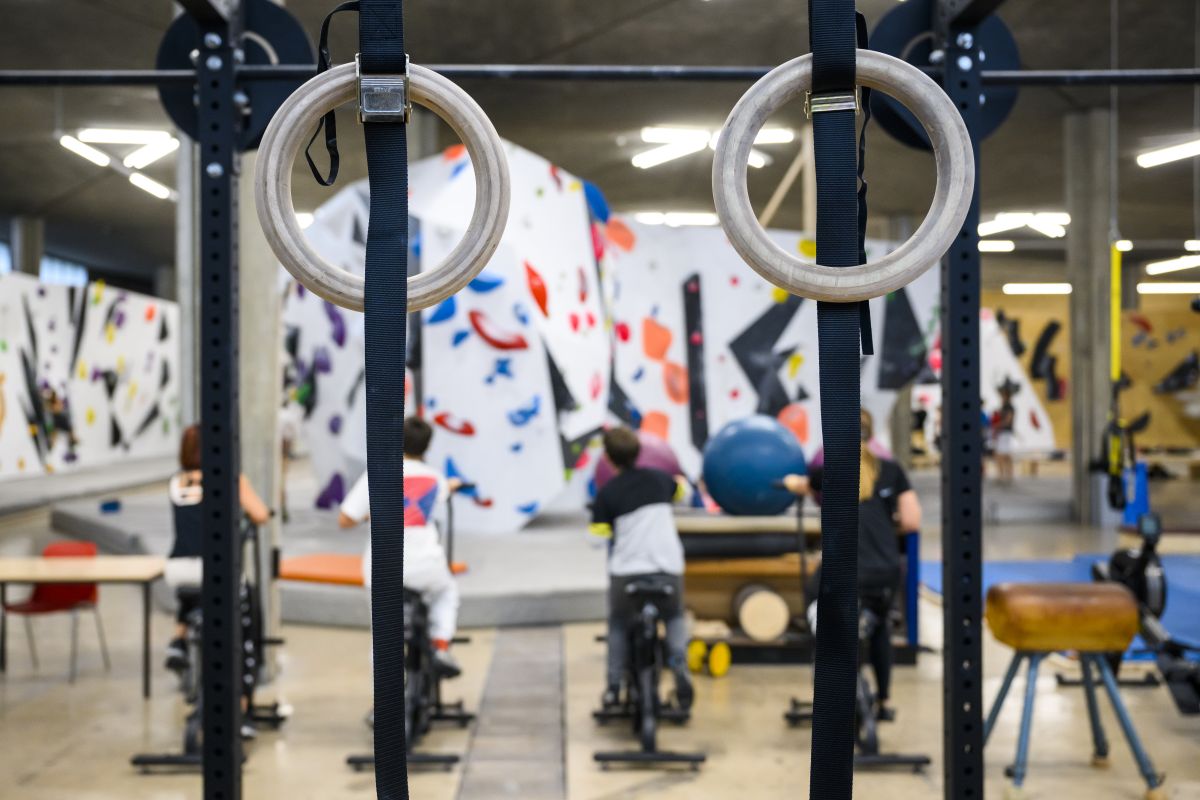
537	287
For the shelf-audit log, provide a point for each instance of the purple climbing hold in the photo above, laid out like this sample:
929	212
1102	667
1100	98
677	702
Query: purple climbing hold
321	360
335	424
333	493
337	322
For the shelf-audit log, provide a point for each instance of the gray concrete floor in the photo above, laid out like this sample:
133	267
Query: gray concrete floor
59	740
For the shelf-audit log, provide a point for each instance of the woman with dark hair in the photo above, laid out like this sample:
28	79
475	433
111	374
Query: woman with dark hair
887	507
184	565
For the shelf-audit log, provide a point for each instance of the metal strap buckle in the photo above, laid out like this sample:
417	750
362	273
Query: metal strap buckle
382	98
831	101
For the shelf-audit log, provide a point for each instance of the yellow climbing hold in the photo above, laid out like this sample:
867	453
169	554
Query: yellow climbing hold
132	388
91	416
779	295
574	186
98	293
120	364
82	370
794	363
110	332
807	248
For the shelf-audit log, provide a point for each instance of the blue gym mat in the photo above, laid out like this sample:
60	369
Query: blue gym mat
1182	617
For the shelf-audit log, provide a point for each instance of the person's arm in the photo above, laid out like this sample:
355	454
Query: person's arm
908	505
796	484
356	507
908	512
252	504
601	524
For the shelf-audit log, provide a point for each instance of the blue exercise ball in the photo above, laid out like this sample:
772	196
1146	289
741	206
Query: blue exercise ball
745	460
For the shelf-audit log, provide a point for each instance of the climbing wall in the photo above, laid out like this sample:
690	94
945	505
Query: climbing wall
513	372
88	376
701	340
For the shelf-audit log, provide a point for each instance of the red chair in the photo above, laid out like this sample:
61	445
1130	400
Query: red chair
57	598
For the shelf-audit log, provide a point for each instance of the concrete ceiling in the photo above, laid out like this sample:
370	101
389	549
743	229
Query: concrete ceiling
591	128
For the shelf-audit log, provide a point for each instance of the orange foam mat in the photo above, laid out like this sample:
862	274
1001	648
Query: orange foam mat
344	569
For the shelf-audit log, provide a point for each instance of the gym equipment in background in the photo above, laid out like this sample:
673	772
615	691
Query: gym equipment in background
423	703
270	36
655	453
904	32
1037	619
744	462
866	718
1141	571
642	705
254	644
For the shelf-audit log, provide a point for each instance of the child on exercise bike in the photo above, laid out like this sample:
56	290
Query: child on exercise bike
184	570
634	510
426	495
887	506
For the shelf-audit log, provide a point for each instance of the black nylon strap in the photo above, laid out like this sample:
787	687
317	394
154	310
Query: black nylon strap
833	35
381	45
328	122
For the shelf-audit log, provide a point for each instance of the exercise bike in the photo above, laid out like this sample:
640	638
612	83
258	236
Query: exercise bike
641	703
423	702
866	716
1141	571
254	644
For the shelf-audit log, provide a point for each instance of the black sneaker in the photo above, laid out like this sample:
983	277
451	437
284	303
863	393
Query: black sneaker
885	713
249	730
447	666
685	695
611	698
177	656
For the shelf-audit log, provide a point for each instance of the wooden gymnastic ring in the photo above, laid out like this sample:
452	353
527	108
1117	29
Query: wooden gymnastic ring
953	156
290	130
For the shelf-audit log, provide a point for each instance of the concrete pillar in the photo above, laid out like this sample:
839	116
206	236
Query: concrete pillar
901	422
260	380
187	279
164	283
28	238
1086	155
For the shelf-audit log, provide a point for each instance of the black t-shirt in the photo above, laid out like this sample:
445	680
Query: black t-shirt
878	546
637	503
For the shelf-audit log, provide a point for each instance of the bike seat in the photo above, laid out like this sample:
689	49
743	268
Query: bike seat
651	590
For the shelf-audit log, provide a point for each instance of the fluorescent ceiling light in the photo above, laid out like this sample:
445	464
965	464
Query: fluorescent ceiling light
677	142
1192	245
147	154
676	219
146	185
775	136
122	135
1123	245
669	135
1037	288
997	246
80	149
1172	265
1165	155
1168	288
1047	223
667	152
304	218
